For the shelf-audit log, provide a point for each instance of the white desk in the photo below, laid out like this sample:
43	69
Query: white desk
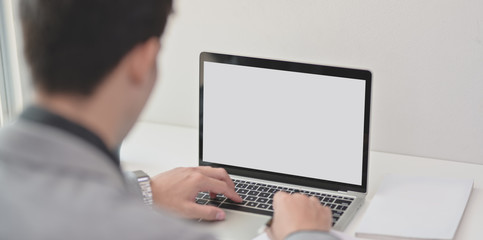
155	148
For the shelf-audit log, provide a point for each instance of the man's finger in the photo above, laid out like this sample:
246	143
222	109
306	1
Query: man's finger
269	233
278	198
206	212
314	200
217	186
218	173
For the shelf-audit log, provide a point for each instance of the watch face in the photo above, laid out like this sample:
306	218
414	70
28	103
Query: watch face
140	174
143	179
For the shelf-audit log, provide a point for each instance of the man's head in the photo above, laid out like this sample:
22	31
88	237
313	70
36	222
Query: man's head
71	45
94	61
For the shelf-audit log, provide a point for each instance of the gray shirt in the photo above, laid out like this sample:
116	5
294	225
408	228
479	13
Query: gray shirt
55	185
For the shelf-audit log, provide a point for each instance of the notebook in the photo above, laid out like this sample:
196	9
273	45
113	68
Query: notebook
416	207
283	126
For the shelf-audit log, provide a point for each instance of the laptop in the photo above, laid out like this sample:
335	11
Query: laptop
283	126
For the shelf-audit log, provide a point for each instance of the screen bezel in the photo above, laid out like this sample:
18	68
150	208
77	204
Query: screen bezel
359	74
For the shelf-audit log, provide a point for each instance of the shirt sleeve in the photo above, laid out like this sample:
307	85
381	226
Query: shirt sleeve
312	235
132	185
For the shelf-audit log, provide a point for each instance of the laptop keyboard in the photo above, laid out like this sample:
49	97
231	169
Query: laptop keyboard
258	198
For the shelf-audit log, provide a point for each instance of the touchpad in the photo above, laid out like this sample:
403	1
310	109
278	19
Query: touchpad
236	226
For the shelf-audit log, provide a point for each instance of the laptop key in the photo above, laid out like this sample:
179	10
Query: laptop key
252	187
263	206
251	204
251	198
219	199
206	196
242	191
337	212
273	190
242	185
253	193
262	200
233	202
247	209
340	201
264	194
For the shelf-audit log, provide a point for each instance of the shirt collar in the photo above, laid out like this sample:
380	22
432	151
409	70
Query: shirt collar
43	116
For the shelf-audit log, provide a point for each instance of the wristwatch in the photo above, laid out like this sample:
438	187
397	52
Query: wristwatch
145	184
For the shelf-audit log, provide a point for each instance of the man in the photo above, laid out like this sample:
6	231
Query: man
93	64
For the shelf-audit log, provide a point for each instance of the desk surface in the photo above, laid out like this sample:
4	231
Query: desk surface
155	148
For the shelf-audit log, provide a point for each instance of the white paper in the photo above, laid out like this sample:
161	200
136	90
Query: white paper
406	207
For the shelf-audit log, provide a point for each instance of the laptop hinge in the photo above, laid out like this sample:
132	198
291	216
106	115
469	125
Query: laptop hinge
359	194
353	193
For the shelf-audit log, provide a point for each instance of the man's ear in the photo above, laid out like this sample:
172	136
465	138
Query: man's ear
142	60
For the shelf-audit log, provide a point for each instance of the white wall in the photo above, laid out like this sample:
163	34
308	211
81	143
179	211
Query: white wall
426	57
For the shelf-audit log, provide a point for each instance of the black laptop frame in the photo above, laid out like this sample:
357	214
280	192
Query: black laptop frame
363	75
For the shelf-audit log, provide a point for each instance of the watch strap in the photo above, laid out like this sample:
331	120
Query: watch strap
144	182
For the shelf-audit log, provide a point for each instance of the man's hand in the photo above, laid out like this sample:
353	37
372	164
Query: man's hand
177	189
297	212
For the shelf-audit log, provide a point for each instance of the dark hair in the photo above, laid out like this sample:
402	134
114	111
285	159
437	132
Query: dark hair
72	44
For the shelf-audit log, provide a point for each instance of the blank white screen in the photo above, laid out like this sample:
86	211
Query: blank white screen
286	122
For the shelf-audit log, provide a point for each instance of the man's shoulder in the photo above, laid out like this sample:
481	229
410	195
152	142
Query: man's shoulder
23	137
54	188
31	136
46	164
48	150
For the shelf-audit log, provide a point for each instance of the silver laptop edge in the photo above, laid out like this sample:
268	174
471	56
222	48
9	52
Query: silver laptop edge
240	225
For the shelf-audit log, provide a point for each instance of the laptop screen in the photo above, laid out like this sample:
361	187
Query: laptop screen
284	118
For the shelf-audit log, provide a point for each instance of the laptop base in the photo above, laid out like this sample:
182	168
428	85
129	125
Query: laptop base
236	226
